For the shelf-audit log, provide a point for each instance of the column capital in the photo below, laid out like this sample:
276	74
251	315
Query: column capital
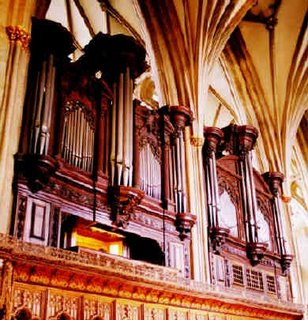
196	141
18	33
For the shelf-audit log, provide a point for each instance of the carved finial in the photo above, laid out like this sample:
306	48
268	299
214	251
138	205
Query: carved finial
274	180
212	138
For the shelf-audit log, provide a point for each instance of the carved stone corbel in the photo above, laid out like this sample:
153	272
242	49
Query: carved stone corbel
218	237
123	202
255	252
184	223
286	260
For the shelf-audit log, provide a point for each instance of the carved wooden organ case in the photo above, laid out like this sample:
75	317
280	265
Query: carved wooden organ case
244	214
90	158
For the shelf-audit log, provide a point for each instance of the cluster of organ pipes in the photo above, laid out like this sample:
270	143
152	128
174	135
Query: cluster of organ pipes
78	138
121	154
250	198
281	242
43	102
179	172
150	172
212	190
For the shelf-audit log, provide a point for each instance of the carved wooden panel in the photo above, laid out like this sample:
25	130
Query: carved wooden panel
127	310
176	256
58	302
30	297
37	221
198	315
154	312
217	317
230	195
20	216
177	314
95	306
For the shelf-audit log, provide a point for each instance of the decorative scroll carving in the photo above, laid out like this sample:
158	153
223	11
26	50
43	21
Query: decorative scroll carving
18	33
6	287
148	129
55	227
230	186
123	202
68	192
21	215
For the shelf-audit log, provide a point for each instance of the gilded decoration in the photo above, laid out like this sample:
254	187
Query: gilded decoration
18	33
197	141
49	282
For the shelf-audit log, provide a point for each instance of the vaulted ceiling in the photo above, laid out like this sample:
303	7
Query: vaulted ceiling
251	57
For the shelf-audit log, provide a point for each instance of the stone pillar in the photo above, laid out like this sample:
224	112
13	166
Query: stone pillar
196	190
14	59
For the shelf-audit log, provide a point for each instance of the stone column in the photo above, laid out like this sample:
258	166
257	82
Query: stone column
14	59
196	191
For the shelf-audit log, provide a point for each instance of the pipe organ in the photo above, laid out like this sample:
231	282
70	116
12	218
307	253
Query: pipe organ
242	200
98	172
106	162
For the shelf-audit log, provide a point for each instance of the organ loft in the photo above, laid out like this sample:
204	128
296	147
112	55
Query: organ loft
148	170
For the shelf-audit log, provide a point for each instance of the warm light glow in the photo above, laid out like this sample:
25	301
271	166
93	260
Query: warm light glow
74	239
114	249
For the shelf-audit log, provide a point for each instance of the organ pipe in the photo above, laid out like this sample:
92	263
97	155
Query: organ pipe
247	136
78	138
121	155
212	137
120	124
113	134
43	103
150	173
